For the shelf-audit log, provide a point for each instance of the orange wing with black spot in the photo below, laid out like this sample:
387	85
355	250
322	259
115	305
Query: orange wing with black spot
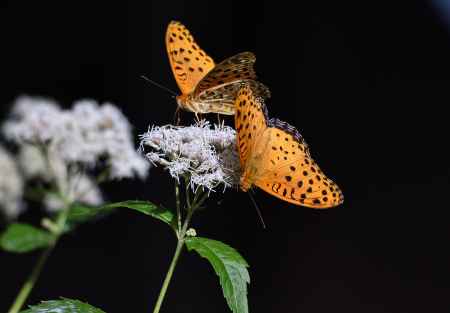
291	174
250	122
275	158
188	61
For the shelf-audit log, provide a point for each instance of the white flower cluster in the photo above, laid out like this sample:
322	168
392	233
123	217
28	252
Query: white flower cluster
86	134
58	146
11	186
206	156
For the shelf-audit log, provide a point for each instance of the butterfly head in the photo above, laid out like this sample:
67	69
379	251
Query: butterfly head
184	102
181	100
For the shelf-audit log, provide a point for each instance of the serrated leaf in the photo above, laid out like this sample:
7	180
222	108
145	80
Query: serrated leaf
229	265
147	208
63	306
21	238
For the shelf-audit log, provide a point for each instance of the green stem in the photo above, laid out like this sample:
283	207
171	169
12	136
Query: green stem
181	237
177	199
30	282
169	274
61	220
35	273
188	194
173	263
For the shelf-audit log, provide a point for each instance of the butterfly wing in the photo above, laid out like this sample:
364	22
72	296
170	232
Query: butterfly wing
221	99
250	122
275	157
235	69
188	61
289	173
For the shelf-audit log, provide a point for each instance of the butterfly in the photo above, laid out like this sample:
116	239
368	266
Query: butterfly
207	87
275	157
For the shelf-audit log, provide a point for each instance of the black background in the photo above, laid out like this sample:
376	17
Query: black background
367	84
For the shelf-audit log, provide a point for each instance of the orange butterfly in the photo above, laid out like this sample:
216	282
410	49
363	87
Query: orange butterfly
275	157
207	87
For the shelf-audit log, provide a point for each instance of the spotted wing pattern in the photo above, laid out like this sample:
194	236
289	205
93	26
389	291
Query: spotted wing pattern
250	121
284	167
221	98
236	68
188	61
290	173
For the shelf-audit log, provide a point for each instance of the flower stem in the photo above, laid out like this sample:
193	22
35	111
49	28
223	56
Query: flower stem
177	199
37	269
181	237
30	282
169	274
57	231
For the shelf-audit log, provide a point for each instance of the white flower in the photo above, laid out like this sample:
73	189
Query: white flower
45	163
207	156
103	131
34	164
85	135
34	120
11	186
82	189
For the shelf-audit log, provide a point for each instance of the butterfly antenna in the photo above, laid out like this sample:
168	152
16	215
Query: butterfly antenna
257	210
158	85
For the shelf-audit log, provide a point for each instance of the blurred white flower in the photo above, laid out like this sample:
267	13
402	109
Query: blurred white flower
207	156
34	162
34	119
78	187
103	131
11	186
87	134
83	189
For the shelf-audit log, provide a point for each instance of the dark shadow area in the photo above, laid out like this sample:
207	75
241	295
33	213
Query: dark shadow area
367	85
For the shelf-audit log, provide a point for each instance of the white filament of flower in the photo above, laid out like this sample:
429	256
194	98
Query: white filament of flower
205	155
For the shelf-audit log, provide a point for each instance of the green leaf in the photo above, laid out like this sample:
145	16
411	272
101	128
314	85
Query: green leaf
63	306
147	208
229	265
79	213
20	238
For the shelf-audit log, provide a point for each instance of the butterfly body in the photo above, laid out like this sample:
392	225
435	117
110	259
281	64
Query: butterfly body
188	103
207	87
221	103
275	158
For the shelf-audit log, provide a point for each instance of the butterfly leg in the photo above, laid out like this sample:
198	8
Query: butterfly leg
176	116
198	116
219	122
